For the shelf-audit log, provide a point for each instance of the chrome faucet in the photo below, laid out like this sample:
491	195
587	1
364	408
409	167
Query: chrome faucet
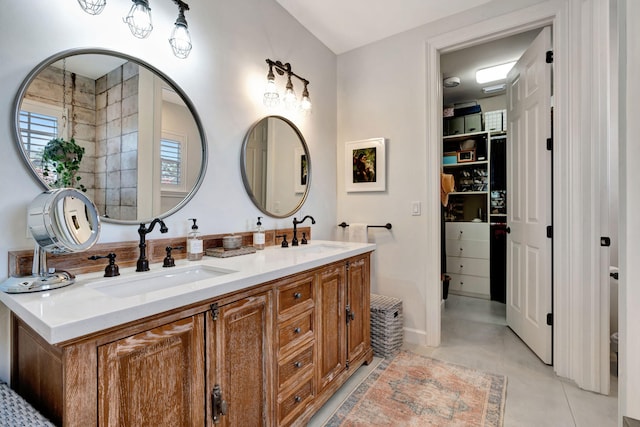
294	241
143	262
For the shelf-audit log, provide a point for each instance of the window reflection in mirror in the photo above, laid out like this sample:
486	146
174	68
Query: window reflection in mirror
144	147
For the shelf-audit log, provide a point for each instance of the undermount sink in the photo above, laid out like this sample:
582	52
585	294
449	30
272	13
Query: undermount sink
143	283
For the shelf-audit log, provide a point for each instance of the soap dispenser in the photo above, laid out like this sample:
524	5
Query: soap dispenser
194	243
258	236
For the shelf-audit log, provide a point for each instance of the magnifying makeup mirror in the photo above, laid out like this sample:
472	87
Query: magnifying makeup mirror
61	221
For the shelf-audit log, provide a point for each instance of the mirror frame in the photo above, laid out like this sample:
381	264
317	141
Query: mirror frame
83	51
245	179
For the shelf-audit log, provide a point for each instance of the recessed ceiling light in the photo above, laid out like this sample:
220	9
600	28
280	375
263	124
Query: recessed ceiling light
494	88
495	73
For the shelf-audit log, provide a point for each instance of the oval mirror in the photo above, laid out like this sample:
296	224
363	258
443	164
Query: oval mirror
276	166
114	127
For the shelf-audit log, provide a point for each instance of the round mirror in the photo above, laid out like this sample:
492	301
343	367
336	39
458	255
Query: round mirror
113	127
276	166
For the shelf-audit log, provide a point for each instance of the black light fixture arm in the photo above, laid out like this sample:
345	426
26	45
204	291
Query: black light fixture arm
181	5
281	69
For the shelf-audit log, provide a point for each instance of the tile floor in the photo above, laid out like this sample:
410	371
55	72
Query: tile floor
474	334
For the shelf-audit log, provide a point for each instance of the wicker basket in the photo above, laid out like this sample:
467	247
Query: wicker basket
386	325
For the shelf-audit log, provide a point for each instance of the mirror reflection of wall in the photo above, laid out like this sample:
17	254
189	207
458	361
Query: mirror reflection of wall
275	166
143	146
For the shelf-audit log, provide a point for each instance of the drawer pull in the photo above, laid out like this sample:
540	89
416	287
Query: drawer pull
297	399
461	283
297	364
461	266
297	295
460	237
296	330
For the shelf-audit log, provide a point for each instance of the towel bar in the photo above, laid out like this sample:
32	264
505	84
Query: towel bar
387	225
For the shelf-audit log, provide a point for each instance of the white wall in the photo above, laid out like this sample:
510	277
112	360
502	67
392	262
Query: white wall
381	93
224	77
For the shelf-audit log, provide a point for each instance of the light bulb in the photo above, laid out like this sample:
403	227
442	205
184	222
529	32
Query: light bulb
180	39
305	103
289	98
139	19
271	97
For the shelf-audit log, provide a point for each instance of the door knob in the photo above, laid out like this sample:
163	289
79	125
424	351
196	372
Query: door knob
508	230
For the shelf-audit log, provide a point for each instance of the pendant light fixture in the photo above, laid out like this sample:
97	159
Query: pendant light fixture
92	7
271	97
139	19
180	39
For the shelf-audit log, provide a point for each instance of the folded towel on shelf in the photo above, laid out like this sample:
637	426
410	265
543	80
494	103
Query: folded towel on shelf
358	233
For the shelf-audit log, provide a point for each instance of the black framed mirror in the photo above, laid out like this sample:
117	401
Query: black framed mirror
276	166
144	151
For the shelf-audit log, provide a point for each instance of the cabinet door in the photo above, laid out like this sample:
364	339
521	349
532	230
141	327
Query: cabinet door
154	378
240	363
331	325
358	313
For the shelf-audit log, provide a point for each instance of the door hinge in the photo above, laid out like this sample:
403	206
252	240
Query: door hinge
347	265
550	231
214	310
549	144
549	57
605	241
219	406
550	319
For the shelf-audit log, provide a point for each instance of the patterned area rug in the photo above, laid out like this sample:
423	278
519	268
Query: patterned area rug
413	390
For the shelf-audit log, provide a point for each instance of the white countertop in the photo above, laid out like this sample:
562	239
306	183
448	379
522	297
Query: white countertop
84	307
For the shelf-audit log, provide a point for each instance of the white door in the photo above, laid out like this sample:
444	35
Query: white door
529	274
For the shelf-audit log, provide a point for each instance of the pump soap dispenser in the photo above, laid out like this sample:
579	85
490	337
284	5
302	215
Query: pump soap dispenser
195	248
258	236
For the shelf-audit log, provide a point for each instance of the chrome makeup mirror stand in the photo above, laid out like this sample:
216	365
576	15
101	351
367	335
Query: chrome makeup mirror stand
61	221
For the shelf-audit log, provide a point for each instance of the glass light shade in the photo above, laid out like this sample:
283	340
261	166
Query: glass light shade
289	98
139	19
180	41
271	97
305	104
92	7
492	74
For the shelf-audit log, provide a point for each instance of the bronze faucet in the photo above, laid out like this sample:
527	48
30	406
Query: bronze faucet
143	262
294	241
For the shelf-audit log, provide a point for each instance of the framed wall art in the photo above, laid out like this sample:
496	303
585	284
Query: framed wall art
365	165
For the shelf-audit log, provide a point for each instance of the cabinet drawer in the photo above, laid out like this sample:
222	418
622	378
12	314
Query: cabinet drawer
470	266
467	248
291	405
295	331
296	294
467	231
473	123
469	284
293	367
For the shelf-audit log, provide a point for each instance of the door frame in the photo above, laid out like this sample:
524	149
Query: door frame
580	37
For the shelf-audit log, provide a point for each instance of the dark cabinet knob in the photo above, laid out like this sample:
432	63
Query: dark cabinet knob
297	330
298	364
297	399
297	295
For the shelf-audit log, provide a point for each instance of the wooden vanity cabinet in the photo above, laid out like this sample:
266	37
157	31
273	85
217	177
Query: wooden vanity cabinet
239	363
265	356
153	378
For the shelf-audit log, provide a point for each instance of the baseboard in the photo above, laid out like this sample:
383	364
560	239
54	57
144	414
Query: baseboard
415	336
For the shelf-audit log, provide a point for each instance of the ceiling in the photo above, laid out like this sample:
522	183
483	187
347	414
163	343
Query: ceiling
345	25
464	63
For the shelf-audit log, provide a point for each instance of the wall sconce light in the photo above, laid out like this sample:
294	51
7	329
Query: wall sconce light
271	97
92	7
180	39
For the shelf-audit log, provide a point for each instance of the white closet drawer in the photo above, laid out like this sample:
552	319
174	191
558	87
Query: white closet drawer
470	266
467	231
468	248
473	285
